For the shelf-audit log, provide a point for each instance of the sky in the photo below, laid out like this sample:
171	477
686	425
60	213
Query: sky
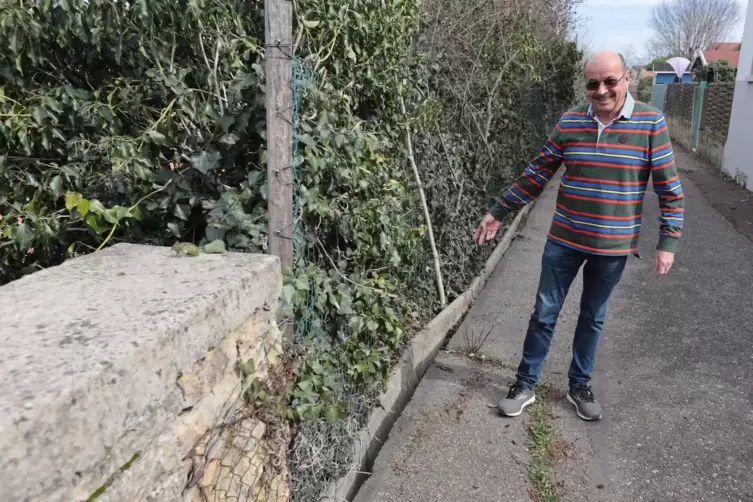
616	24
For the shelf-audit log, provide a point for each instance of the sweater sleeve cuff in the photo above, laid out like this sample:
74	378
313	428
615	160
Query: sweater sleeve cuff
498	211
667	243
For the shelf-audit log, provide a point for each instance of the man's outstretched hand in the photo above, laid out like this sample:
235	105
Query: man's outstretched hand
486	230
663	262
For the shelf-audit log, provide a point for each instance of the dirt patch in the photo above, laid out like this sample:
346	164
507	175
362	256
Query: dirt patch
436	422
730	199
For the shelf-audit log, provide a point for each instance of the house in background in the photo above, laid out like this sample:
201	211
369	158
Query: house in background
737	150
723	51
637	74
717	52
664	75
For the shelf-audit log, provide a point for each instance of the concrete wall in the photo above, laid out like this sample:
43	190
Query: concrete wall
120	382
682	119
658	96
711	149
681	131
737	151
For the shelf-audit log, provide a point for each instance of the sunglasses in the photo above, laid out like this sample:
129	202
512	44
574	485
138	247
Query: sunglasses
610	83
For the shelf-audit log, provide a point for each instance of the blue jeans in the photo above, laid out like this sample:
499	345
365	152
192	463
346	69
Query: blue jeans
559	266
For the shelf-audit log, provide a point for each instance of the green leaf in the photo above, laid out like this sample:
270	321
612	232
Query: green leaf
72	199
83	208
254	177
56	187
31	179
116	214
215	247
302	283
95	221
355	324
24	236
58	134
206	161
229	139
157	137
346	307
305	385
287	293
136	213
96	207
307	140
301	411
174	228
310	24
333	414
333	301
180	211
38	114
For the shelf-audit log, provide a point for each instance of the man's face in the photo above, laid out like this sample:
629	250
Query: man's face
607	85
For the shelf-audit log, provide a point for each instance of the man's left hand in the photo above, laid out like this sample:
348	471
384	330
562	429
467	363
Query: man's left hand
663	262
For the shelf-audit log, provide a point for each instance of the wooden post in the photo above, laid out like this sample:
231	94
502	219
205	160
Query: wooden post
278	18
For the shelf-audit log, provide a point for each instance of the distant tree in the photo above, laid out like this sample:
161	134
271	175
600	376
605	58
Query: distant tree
683	26
716	71
659	60
644	89
629	53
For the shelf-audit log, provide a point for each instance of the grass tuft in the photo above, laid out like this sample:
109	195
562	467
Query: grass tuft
544	442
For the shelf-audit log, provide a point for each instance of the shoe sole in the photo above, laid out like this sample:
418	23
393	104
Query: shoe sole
587	419
519	412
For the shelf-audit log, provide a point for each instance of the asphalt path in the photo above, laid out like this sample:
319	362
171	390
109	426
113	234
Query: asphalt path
673	374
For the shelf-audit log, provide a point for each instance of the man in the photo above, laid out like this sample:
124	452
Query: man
610	147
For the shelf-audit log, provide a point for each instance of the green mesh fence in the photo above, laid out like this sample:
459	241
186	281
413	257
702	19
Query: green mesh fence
303	81
320	450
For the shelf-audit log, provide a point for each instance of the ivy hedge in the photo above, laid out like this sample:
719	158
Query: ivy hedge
117	100
145	122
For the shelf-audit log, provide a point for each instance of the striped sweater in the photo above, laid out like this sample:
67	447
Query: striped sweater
600	201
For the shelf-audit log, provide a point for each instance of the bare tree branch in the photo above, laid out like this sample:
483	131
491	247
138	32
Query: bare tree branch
683	26
493	95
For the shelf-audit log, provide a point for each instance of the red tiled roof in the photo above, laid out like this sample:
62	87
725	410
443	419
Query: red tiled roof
724	50
725	46
732	57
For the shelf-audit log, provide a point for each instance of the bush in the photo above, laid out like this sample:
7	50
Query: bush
156	106
716	71
645	89
480	102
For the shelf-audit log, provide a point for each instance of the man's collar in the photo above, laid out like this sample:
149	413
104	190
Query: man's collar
627	108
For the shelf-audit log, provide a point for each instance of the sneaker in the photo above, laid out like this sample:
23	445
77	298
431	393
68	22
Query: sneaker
517	399
585	405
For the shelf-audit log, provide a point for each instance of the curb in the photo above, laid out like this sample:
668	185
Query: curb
416	359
